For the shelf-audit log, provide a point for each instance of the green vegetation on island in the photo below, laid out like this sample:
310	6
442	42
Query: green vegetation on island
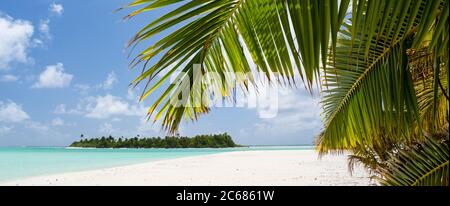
200	141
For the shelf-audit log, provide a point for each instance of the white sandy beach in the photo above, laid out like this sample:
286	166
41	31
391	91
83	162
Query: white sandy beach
282	167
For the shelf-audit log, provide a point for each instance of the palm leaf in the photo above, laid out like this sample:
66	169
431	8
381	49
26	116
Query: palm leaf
433	102
369	85
425	165
365	98
374	158
230	36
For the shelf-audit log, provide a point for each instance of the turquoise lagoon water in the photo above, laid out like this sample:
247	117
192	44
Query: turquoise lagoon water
21	162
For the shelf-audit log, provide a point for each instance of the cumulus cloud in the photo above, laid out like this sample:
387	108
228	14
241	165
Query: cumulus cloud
57	9
9	78
102	107
109	82
131	94
61	109
10	112
44	28
82	88
15	40
44	24
298	112
54	77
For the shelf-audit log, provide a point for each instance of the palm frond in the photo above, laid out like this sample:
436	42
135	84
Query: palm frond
374	158
384	71
230	36
367	99
424	165
433	109
369	87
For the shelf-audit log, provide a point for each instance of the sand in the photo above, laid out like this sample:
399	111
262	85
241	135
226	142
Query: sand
283	167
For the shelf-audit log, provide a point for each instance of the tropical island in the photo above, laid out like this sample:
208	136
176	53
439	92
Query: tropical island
379	68
199	141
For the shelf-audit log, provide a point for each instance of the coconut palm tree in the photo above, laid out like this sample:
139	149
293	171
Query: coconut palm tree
381	65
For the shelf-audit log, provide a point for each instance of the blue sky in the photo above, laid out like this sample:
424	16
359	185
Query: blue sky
64	72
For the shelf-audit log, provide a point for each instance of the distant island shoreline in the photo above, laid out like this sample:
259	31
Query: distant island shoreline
200	141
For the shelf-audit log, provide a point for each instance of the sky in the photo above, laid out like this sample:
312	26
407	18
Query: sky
64	72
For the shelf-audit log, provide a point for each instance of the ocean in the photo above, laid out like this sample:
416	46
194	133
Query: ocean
23	162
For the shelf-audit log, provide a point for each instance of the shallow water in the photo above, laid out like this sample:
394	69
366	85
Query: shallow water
20	162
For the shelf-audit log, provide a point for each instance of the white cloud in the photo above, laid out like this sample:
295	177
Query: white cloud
57	9
12	112
8	78
37	43
44	28
57	122
298	111
131	94
54	77
82	88
61	109
85	89
110	80
102	107
105	106
15	39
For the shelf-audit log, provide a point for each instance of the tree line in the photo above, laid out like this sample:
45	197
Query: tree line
199	141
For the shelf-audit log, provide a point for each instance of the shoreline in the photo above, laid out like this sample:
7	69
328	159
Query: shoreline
280	167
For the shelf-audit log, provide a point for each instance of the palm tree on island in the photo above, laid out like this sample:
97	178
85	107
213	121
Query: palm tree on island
381	67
